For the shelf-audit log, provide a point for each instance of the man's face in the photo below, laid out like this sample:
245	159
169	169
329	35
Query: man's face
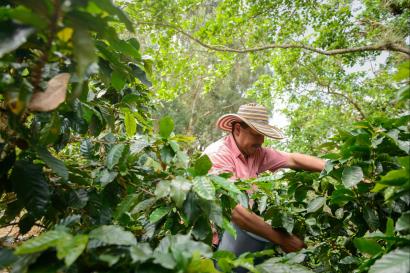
248	140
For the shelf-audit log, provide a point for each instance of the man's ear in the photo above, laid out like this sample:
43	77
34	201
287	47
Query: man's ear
236	129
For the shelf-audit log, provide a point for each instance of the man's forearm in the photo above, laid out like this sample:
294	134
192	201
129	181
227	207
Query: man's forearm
253	223
305	162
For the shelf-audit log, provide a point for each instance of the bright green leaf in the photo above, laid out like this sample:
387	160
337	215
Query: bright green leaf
368	246
42	242
389	227
113	235
204	187
72	248
166	125
396	261
395	178
130	124
158	214
179	189
140	252
226	184
118	80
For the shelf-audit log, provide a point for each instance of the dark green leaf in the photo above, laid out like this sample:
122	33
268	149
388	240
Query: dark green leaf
316	204
55	164
371	217
109	7
351	176
114	155
13	38
274	265
84	49
86	148
140	74
342	196
179	189
143	205
403	223
105	177
6	257
77	198
26	222
31	186
202	165
126	205
202	229
300	193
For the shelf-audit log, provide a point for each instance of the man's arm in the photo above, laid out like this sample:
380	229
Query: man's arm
251	222
304	162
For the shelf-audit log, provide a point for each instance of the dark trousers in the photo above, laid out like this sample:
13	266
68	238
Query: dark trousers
244	242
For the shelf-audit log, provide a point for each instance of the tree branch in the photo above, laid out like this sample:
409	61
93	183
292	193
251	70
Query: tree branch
376	47
345	96
349	99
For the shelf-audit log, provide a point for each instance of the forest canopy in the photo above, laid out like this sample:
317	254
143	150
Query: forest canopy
106	107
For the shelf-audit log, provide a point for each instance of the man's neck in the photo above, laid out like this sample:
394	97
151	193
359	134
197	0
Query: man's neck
245	155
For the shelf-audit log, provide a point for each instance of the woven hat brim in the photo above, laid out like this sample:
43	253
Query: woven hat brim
225	123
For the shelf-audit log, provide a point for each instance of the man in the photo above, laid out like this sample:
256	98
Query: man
241	153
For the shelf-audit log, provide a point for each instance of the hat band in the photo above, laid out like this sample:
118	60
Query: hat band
254	117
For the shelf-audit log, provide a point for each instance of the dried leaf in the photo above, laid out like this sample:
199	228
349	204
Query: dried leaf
53	96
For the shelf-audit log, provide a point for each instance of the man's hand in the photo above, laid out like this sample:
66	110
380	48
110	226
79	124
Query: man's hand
249	221
290	242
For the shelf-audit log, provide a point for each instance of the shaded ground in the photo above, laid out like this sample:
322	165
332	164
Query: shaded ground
10	237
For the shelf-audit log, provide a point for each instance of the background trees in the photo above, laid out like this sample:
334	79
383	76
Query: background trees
87	154
337	71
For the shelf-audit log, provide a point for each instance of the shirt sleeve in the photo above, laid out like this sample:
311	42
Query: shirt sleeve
273	160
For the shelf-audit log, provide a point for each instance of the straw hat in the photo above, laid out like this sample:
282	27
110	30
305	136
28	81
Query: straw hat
254	115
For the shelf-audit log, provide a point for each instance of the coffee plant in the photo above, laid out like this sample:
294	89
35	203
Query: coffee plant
115	191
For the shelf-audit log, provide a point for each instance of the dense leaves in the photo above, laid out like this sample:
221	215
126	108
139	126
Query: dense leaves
117	191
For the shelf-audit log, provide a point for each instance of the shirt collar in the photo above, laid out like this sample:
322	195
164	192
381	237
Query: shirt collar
230	141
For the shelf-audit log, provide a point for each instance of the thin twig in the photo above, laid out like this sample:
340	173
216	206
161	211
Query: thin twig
375	47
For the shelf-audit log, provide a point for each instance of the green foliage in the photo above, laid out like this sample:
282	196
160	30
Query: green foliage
79	155
354	213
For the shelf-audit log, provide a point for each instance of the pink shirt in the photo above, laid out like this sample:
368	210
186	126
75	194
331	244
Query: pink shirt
226	157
